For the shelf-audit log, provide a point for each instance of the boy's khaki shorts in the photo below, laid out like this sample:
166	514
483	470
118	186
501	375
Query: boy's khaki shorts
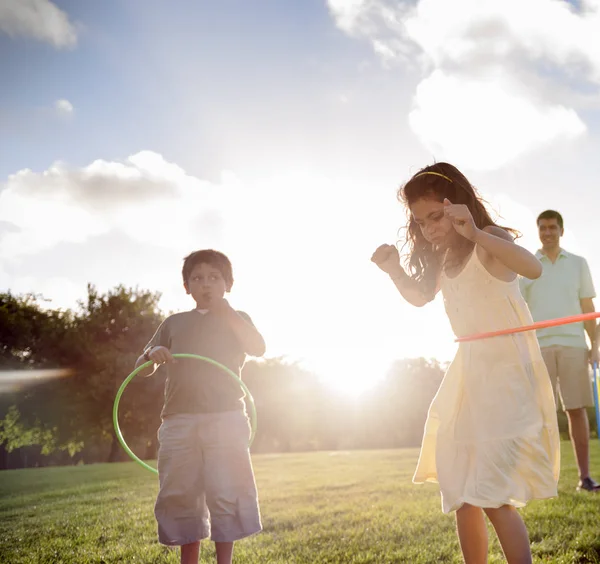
207	485
569	372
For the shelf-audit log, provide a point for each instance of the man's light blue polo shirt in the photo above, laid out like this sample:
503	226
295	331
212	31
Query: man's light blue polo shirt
557	293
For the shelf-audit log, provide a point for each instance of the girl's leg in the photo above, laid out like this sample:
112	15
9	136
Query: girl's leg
512	534
190	553
224	552
472	534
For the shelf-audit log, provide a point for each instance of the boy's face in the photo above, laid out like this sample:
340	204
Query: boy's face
206	285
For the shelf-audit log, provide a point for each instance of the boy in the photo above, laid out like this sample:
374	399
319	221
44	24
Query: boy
207	485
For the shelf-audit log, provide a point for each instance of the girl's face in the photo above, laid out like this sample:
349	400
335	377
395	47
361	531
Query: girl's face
435	226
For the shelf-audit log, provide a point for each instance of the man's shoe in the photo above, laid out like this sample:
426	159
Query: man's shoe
588	485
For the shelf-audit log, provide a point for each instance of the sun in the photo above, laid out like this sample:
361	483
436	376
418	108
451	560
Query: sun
350	372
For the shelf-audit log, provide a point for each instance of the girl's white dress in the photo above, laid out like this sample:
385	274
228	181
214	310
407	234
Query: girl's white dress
491	436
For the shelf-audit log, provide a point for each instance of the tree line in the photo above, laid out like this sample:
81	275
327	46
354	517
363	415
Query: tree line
68	419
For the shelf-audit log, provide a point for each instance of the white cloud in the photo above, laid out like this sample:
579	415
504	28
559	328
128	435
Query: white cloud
38	19
500	78
379	21
63	107
486	123
145	197
347	12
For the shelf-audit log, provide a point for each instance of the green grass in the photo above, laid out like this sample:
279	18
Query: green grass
347	507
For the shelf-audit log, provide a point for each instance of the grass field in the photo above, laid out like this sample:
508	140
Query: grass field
351	507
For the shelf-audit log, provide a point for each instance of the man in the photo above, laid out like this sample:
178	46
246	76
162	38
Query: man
566	288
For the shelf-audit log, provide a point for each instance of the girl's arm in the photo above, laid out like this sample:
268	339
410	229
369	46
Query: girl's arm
387	259
499	245
410	289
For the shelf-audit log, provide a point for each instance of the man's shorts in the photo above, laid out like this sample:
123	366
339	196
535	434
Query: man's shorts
207	485
569	372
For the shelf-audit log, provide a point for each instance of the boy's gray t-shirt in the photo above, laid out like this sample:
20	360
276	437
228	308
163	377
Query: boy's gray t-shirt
194	386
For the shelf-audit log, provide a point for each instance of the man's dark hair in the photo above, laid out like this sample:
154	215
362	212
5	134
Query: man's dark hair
208	256
551	214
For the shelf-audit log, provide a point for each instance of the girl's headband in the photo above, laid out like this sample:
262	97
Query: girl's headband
435	173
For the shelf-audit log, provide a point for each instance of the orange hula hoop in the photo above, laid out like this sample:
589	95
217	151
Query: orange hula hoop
532	327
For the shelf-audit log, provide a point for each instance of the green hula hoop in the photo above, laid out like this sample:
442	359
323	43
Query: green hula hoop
179	355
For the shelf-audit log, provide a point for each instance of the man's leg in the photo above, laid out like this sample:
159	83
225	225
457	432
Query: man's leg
576	393
550	360
579	431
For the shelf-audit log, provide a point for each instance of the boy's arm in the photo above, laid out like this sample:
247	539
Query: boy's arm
160	340
251	340
146	371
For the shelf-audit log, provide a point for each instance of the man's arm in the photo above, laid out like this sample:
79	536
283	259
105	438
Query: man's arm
587	306
586	295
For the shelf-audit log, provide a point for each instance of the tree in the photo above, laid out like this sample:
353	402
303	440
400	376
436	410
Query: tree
99	345
114	328
397	408
31	338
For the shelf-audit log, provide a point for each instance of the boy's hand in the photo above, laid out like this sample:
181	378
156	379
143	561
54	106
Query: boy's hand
220	306
387	258
160	355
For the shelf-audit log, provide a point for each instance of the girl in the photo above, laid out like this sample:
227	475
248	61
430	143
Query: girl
491	437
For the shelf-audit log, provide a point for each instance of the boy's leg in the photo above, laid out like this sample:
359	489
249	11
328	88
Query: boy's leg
229	479
472	534
224	552
180	507
190	553
512	534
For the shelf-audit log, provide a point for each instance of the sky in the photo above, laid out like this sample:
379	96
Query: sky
132	133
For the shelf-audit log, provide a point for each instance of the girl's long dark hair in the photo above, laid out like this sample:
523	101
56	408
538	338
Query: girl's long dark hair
423	260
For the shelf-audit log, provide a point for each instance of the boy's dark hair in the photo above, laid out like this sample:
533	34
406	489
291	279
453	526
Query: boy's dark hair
208	256
551	214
